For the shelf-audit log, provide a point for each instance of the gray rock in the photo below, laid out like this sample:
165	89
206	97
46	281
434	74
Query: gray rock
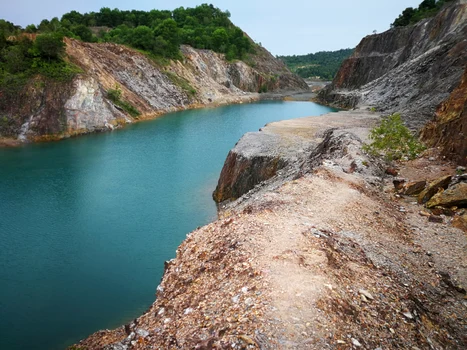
142	332
116	346
408	70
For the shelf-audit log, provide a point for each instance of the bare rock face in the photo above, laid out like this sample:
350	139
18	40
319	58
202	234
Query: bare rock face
253	160
51	110
406	69
288	149
449	127
87	109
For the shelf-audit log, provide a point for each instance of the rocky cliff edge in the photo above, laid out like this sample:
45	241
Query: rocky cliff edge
321	253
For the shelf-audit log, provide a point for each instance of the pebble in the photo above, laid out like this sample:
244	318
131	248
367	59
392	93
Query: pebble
366	294
408	315
142	332
356	342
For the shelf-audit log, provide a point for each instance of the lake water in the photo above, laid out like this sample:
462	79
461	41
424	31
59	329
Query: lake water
86	223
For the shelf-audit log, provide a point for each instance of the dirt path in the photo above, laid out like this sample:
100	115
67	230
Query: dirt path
333	259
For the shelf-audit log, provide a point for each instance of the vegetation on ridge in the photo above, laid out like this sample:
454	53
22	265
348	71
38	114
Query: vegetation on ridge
427	8
323	64
157	32
38	52
24	56
115	95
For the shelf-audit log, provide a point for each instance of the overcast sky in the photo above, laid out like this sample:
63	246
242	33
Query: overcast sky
284	27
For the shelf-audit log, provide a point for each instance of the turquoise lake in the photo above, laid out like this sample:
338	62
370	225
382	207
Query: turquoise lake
86	223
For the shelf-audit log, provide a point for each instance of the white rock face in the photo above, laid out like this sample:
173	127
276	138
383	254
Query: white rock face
87	109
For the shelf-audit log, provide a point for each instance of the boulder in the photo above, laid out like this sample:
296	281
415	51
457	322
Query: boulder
398	184
413	188
432	188
460	222
454	196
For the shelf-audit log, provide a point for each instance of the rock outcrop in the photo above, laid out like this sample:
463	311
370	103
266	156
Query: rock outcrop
448	129
289	149
410	69
47	109
453	196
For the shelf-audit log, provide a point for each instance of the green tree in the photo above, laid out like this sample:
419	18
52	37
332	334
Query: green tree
142	37
31	28
83	32
50	46
220	40
170	32
3	41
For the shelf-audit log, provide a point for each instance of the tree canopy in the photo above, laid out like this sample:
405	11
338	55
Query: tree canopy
159	32
427	8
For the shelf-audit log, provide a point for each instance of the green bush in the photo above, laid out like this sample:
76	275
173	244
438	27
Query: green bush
426	9
263	88
115	95
393	140
182	83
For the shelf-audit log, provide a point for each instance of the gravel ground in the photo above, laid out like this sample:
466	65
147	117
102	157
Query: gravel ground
332	259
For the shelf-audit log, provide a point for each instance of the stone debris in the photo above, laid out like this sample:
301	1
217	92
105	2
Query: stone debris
413	188
321	260
455	195
366	294
435	218
433	187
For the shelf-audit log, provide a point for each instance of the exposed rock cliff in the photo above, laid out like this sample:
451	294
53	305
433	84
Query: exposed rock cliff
290	148
406	69
46	109
449	128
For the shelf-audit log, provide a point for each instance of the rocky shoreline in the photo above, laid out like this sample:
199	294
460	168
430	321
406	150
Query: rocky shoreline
245	97
322	253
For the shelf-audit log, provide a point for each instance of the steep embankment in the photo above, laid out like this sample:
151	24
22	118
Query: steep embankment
406	69
448	130
315	257
47	109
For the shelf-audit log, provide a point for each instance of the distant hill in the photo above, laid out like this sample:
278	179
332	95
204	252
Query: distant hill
323	64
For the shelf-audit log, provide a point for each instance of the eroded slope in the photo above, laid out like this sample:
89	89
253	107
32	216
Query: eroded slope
46	109
406	69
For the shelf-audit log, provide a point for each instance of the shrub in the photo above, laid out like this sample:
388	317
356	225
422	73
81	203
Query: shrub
182	83
393	140
115	95
263	88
